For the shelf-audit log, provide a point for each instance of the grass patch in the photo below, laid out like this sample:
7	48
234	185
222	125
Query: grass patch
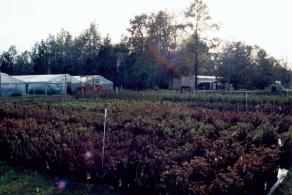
18	180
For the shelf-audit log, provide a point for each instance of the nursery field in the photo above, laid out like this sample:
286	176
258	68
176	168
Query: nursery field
153	143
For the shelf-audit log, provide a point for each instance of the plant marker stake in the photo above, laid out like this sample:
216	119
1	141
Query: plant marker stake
103	138
245	101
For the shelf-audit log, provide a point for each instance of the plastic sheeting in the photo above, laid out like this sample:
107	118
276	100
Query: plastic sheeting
51	78
10	86
95	79
49	84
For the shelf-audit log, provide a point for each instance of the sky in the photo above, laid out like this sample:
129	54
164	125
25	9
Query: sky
266	23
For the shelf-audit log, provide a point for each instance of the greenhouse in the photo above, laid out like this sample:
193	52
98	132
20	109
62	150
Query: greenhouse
49	84
10	86
95	79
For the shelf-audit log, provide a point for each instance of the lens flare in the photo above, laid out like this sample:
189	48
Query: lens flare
161	59
61	185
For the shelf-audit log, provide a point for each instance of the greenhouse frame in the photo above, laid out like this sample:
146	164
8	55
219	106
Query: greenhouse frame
49	84
10	86
95	79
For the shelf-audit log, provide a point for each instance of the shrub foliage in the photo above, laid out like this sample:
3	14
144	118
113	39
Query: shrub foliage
154	146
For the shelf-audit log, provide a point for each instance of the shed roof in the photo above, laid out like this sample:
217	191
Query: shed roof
206	79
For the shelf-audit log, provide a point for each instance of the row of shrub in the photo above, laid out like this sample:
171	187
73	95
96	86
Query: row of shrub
154	147
215	100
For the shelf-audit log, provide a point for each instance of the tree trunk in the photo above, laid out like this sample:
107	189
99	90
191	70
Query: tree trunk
196	65
196	70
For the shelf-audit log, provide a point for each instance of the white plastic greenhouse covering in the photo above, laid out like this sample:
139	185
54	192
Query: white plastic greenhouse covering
49	84
95	79
10	86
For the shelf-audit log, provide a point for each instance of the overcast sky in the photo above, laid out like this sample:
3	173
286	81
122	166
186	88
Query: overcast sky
267	23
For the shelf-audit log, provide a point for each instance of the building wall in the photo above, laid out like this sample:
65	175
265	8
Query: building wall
176	84
189	82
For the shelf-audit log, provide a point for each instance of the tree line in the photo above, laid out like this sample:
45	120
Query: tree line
157	49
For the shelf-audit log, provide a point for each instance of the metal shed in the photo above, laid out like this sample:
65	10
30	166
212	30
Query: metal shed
10	86
208	82
49	84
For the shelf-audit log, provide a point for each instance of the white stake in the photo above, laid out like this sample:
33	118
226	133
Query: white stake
103	138
117	92
246	101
